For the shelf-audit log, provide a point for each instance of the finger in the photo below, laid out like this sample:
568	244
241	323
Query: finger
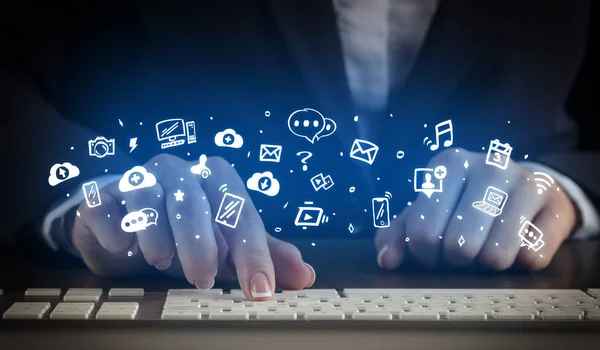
472	224
242	228
555	223
290	269
226	265
100	260
390	242
502	245
189	215
104	222
155	240
429	216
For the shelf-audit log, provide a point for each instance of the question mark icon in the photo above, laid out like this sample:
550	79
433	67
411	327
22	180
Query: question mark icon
308	155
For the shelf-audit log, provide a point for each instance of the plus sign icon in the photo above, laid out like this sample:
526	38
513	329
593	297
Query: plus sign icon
229	138
136	178
430	180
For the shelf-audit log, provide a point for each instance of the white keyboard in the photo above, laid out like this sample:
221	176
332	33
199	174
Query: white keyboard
310	304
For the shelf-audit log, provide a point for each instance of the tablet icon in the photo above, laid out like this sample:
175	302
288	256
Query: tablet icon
230	210
493	201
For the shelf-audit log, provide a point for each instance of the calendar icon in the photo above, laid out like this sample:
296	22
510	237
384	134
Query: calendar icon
498	154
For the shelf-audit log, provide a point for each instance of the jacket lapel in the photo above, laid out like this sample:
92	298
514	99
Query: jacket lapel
458	33
309	27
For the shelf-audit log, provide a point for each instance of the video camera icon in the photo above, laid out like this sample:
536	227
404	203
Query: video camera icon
310	216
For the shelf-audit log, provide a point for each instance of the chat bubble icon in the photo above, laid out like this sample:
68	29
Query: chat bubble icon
134	221
310	124
151	215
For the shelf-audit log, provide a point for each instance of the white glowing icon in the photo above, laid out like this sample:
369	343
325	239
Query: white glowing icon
91	194
230	210
493	201
179	196
443	130
310	124
429	180
101	147
174	132
136	178
229	138
381	211
498	154
365	151
310	216
321	182
270	153
139	220
264	183
531	236
543	181
62	172
201	168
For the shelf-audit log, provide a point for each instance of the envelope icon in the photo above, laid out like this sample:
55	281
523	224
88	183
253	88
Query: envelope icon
364	151
495	198
270	153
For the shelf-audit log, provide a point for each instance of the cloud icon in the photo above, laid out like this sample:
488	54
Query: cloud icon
229	138
136	178
62	172
264	183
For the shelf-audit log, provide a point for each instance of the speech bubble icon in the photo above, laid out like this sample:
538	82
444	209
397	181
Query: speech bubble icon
151	214
309	124
328	130
134	221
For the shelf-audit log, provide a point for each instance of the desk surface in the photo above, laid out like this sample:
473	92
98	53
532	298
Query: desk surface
339	264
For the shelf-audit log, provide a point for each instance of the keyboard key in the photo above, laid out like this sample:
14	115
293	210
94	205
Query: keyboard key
82	294
372	316
595	292
193	292
561	314
72	311
320	315
181	315
27	310
126	292
43	292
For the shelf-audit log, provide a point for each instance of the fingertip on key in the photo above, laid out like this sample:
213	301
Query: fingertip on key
313	275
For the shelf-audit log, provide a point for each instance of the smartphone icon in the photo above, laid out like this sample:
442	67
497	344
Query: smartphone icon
381	212
91	194
191	131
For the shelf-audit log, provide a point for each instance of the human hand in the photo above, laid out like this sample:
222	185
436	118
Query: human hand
202	245
430	229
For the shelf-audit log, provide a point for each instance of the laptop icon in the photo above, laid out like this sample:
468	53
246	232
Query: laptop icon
493	201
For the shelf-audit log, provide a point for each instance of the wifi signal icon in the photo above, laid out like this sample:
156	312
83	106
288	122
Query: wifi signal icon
223	188
388	195
543	181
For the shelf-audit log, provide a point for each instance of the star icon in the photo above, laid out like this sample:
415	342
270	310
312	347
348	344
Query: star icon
178	196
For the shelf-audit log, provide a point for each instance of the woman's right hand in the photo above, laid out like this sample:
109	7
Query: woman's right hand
186	230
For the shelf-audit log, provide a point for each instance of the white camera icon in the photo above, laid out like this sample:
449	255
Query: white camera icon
101	147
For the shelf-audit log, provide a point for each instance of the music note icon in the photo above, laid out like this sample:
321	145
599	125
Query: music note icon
442	129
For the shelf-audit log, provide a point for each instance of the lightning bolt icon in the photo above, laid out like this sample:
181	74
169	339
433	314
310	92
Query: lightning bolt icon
132	144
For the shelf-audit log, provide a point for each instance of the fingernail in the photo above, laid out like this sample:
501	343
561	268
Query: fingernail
165	264
380	255
260	287
313	274
200	286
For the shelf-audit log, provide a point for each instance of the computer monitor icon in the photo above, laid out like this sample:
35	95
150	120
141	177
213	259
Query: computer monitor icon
173	132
